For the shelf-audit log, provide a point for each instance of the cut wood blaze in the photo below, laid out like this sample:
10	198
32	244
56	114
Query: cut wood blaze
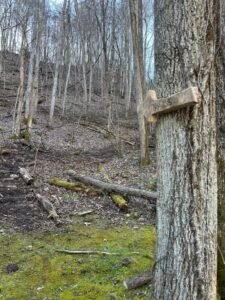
188	97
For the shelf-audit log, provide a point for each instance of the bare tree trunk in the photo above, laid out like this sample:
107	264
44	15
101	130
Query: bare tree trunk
128	64
54	89
59	52
136	19
85	100
27	96
66	87
34	94
220	101
90	85
21	89
33	88
186	151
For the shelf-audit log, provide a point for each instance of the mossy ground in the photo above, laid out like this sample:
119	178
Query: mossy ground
46	274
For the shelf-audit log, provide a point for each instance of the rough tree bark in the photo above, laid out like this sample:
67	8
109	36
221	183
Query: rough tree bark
186	152
220	103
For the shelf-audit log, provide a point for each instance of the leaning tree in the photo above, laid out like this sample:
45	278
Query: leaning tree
186	149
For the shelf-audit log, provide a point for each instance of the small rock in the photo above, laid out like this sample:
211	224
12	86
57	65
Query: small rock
11	268
112	296
115	281
80	261
128	261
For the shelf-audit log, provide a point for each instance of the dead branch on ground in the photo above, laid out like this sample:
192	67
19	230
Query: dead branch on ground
114	188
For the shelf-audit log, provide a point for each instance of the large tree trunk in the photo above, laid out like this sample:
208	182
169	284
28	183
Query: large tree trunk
186	152
220	86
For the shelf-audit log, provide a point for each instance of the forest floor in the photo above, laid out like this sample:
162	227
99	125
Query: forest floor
29	266
50	153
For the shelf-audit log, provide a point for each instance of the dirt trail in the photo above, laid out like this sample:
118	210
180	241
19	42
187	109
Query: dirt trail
19	209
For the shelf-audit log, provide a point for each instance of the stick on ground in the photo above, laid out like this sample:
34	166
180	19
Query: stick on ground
87	252
26	176
49	208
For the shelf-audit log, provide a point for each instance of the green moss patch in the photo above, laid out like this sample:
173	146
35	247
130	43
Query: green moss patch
46	274
74	186
152	184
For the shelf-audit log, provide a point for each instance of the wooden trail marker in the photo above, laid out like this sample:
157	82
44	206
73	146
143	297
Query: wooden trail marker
154	106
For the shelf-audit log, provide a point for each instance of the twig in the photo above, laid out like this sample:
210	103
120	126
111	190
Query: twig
84	213
87	252
49	208
221	254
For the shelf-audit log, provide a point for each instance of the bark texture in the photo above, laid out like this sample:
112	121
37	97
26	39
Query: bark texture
220	102
186	150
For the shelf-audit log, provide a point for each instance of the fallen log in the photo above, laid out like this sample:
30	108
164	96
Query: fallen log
113	188
116	198
49	208
74	186
26	176
138	281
